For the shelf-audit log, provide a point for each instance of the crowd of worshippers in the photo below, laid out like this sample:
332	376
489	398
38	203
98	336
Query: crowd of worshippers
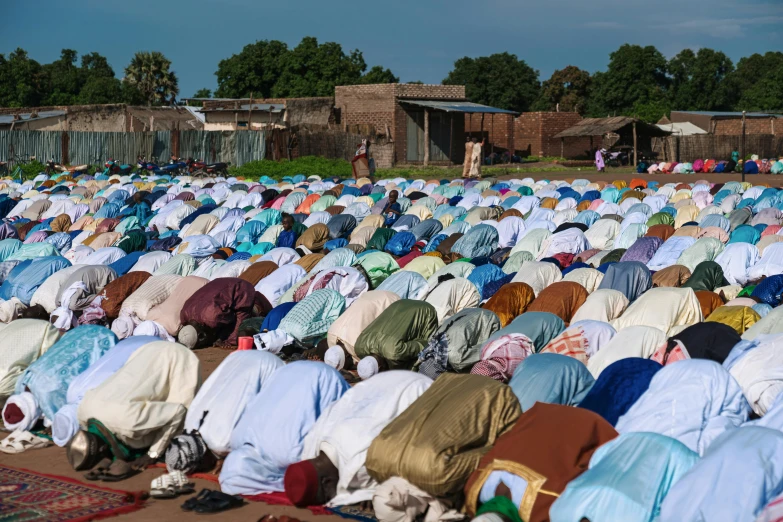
512	351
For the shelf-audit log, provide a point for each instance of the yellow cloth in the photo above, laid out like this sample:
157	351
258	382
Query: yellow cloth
439	440
740	318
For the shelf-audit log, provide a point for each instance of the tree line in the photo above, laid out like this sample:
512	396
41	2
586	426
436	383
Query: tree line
639	81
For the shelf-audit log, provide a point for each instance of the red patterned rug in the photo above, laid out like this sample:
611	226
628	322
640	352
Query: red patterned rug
26	496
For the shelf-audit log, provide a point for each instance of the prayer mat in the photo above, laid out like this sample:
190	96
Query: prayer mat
26	496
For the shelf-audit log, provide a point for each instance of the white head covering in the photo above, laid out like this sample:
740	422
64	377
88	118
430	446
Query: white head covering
335	357
367	367
123	326
26	402
153	329
65	319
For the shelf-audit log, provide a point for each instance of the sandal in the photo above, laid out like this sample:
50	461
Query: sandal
171	485
119	470
20	441
191	503
101	468
217	502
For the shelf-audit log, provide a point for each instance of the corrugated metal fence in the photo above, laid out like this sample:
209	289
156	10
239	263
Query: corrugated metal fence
235	147
16	145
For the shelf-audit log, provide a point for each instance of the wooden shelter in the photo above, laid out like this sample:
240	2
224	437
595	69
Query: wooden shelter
616	131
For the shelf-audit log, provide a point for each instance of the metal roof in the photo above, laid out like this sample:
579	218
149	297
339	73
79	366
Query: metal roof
601	126
723	114
7	119
684	128
458	106
263	107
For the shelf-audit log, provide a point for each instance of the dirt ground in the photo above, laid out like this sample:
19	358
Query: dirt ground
52	461
626	174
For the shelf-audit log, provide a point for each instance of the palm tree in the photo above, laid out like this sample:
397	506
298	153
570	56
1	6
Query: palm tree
150	73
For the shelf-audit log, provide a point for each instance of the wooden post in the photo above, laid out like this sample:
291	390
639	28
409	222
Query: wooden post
426	137
562	147
451	135
742	146
635	154
492	141
250	112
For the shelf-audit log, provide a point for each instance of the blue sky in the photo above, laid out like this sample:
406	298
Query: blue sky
418	40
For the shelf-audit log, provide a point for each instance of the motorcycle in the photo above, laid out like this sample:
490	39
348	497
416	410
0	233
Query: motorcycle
114	167
201	167
52	166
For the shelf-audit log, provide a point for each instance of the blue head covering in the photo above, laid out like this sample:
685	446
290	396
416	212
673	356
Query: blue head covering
540	327
632	278
628	479
551	378
123	265
710	491
273	318
619	386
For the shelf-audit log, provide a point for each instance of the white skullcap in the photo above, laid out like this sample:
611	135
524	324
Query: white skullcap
367	367
188	337
335	357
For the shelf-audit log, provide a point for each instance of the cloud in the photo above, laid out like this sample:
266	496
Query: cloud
605	25
725	27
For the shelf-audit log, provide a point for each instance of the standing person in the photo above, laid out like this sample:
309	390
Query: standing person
392	210
599	160
468	158
476	159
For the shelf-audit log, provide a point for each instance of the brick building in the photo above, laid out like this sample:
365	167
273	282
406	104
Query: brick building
425	122
730	123
534	135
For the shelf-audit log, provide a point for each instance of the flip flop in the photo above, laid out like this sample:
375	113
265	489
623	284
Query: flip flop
217	502
191	503
100	468
119	470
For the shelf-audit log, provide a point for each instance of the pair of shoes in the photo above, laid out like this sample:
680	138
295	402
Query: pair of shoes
210	501
171	485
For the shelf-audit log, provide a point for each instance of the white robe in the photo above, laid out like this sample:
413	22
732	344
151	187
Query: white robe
221	401
346	429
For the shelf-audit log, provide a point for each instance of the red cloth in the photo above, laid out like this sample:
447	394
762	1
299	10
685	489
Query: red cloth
221	304
404	260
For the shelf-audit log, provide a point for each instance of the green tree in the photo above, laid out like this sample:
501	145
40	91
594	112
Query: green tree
254	71
151	74
203	93
636	78
500	80
566	87
699	81
313	69
62	77
378	74
21	80
758	80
